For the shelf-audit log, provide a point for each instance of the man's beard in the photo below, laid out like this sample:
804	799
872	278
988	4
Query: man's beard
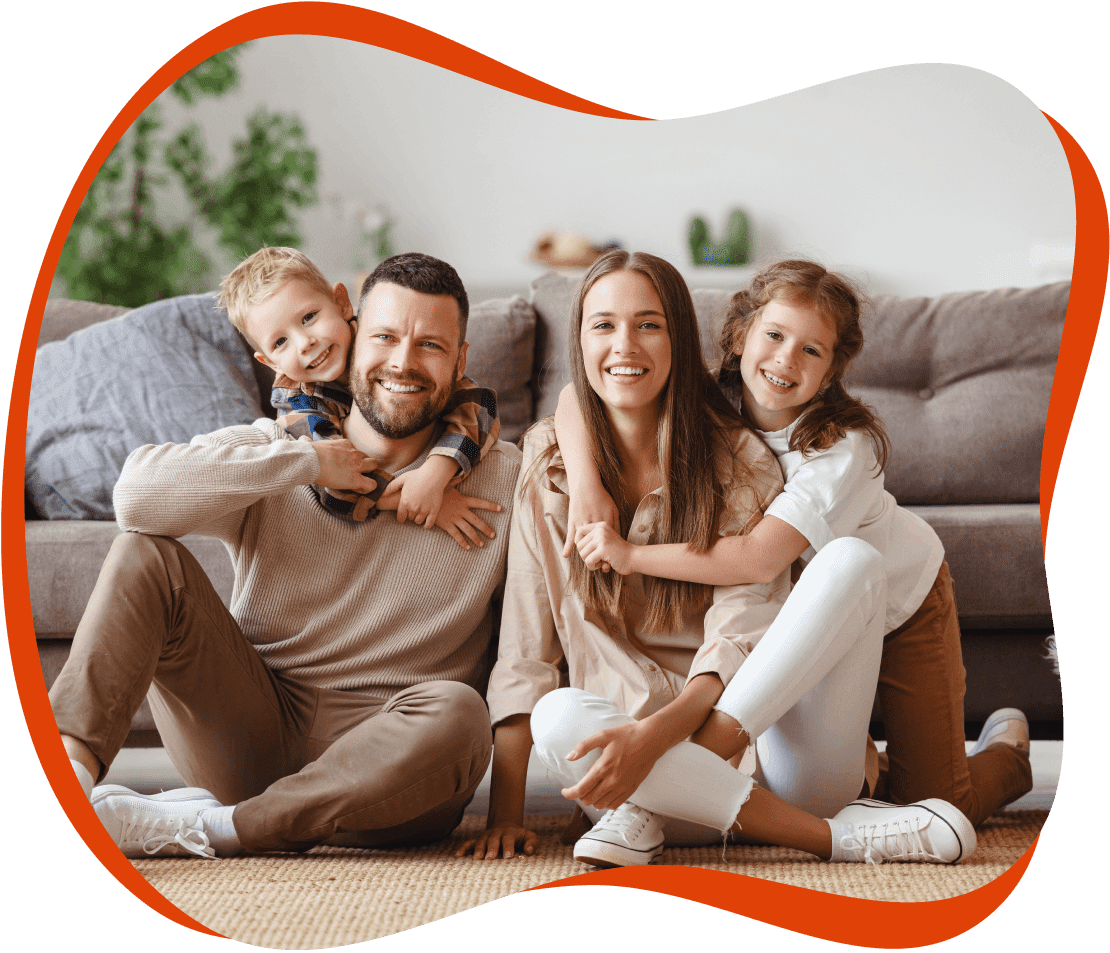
398	423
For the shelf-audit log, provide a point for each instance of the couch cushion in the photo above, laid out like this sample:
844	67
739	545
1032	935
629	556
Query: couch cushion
164	372
962	383
552	295
501	333
62	317
64	560
996	556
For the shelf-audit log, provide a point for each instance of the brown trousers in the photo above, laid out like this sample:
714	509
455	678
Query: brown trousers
301	764
921	691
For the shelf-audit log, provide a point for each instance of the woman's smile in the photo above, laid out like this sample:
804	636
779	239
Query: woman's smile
625	343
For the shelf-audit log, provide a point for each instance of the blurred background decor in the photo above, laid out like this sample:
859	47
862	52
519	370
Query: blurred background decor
123	247
558	248
734	249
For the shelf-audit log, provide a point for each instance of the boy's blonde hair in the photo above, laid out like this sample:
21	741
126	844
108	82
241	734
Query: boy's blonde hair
259	276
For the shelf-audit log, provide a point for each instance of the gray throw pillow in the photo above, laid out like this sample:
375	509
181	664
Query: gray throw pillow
162	373
501	334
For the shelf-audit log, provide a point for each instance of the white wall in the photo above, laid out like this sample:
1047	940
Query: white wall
917	179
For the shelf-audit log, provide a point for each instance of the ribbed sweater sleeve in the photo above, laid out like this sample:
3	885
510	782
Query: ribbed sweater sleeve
206	485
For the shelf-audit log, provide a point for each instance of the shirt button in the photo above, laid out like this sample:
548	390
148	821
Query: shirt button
651	668
926	393
641	528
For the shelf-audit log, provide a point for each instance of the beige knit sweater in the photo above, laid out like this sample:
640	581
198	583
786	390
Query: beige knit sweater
372	607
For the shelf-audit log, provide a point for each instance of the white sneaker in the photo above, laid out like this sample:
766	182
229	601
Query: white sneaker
931	831
1005	726
145	824
624	837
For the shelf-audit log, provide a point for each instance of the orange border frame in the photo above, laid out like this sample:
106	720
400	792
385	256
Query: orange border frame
825	916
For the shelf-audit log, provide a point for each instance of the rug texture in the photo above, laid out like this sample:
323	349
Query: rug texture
333	896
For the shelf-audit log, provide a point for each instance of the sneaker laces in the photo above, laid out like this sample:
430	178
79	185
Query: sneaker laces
893	840
153	833
621	819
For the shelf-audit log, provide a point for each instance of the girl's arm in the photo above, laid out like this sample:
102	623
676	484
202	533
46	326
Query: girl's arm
629	752
504	833
589	503
757	557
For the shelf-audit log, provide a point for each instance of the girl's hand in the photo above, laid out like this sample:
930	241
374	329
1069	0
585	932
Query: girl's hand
458	519
589	504
628	755
503	838
602	547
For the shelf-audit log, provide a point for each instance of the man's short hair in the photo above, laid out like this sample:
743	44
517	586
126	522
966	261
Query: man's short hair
260	275
424	274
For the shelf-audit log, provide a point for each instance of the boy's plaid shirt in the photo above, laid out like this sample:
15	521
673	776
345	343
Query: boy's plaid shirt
316	411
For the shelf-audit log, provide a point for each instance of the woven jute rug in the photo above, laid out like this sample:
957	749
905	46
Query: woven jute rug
333	896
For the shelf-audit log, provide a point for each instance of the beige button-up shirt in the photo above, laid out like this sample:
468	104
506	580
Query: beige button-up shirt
547	639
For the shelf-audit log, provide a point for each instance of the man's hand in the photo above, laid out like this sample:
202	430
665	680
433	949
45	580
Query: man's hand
458	519
628	755
589	504
422	490
343	466
504	839
602	547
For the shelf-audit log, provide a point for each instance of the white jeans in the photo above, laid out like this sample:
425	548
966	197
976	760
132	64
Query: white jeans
805	694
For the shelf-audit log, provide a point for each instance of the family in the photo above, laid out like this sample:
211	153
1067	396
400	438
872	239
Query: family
701	581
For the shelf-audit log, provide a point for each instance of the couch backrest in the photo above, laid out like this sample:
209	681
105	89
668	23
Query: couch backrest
961	382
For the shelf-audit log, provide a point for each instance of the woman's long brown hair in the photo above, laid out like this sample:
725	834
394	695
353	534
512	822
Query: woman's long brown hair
695	415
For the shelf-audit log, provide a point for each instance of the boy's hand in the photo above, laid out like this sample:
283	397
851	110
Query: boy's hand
343	466
422	490
458	519
589	504
602	547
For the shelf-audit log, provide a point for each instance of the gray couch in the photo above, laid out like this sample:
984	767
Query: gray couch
961	381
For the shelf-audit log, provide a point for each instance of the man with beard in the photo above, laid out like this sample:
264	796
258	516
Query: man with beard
338	700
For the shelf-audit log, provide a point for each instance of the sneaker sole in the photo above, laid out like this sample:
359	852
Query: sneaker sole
601	854
997	718
177	794
949	814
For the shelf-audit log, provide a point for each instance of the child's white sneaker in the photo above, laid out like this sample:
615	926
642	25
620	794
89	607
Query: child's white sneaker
1007	726
931	831
146	824
624	837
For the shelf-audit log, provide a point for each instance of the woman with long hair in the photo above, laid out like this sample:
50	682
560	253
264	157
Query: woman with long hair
647	659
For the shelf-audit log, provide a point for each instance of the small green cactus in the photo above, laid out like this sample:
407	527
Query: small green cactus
736	249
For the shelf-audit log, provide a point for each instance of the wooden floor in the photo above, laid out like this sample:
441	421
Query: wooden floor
149	770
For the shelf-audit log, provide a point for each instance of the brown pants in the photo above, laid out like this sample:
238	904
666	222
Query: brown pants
301	764
921	691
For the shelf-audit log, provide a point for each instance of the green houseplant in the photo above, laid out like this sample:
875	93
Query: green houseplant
121	250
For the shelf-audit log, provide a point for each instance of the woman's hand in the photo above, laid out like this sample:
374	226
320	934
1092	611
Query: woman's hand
629	753
503	838
602	547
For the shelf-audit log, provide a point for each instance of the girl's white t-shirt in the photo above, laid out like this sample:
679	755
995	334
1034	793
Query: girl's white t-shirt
839	492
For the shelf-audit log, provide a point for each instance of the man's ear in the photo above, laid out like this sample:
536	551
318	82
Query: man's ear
343	300
460	367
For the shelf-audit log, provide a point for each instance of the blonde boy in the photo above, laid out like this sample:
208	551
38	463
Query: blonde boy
301	327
